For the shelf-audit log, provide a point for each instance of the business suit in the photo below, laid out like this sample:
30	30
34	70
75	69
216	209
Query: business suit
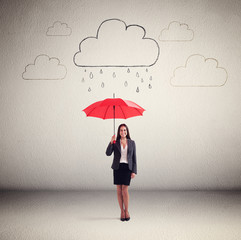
131	154
122	172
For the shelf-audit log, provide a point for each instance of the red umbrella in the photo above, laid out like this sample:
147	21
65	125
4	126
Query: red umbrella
112	108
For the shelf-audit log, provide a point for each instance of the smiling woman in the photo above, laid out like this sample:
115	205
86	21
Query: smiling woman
124	166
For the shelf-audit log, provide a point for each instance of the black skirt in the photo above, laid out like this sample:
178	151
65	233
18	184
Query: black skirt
122	176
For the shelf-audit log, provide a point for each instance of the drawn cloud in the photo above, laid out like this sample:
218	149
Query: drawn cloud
44	68
199	72
117	45
176	31
59	29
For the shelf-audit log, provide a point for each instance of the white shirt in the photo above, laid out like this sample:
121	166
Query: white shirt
123	154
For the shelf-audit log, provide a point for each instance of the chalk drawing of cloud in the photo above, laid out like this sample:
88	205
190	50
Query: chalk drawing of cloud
117	45
199	72
177	31
44	68
59	29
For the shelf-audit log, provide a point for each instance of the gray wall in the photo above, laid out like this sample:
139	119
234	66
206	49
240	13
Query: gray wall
186	67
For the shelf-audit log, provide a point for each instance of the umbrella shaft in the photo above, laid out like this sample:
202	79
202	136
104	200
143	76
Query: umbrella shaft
114	118
114	113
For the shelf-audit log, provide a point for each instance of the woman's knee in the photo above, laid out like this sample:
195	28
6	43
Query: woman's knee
119	188
124	190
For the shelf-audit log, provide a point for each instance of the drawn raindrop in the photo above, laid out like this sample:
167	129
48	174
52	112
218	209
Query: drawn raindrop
146	70
89	90
85	70
126	84
150	86
114	75
151	78
101	71
83	80
91	75
137	74
102	85
128	70
142	80
137	90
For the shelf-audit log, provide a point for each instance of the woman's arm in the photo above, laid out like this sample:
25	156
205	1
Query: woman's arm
110	147
134	167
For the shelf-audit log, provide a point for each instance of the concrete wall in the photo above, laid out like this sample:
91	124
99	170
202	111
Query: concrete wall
178	59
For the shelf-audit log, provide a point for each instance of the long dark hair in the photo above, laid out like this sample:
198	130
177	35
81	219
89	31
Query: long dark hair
118	132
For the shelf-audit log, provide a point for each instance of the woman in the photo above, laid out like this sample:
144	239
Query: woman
124	166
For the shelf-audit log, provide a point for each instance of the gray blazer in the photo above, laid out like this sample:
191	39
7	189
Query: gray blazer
131	154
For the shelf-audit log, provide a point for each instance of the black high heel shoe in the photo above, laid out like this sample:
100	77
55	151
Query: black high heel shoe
127	219
122	219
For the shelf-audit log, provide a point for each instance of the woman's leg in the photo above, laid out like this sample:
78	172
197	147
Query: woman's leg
120	200
125	195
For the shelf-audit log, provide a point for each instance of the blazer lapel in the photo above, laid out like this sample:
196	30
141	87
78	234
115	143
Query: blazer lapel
118	145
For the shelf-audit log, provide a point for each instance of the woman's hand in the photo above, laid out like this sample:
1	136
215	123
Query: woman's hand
113	139
133	175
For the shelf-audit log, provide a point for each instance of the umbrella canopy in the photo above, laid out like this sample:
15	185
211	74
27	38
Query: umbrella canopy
112	108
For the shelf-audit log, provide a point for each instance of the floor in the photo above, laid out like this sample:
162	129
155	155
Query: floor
165	215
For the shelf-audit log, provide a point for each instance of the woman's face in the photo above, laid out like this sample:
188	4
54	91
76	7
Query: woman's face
123	131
